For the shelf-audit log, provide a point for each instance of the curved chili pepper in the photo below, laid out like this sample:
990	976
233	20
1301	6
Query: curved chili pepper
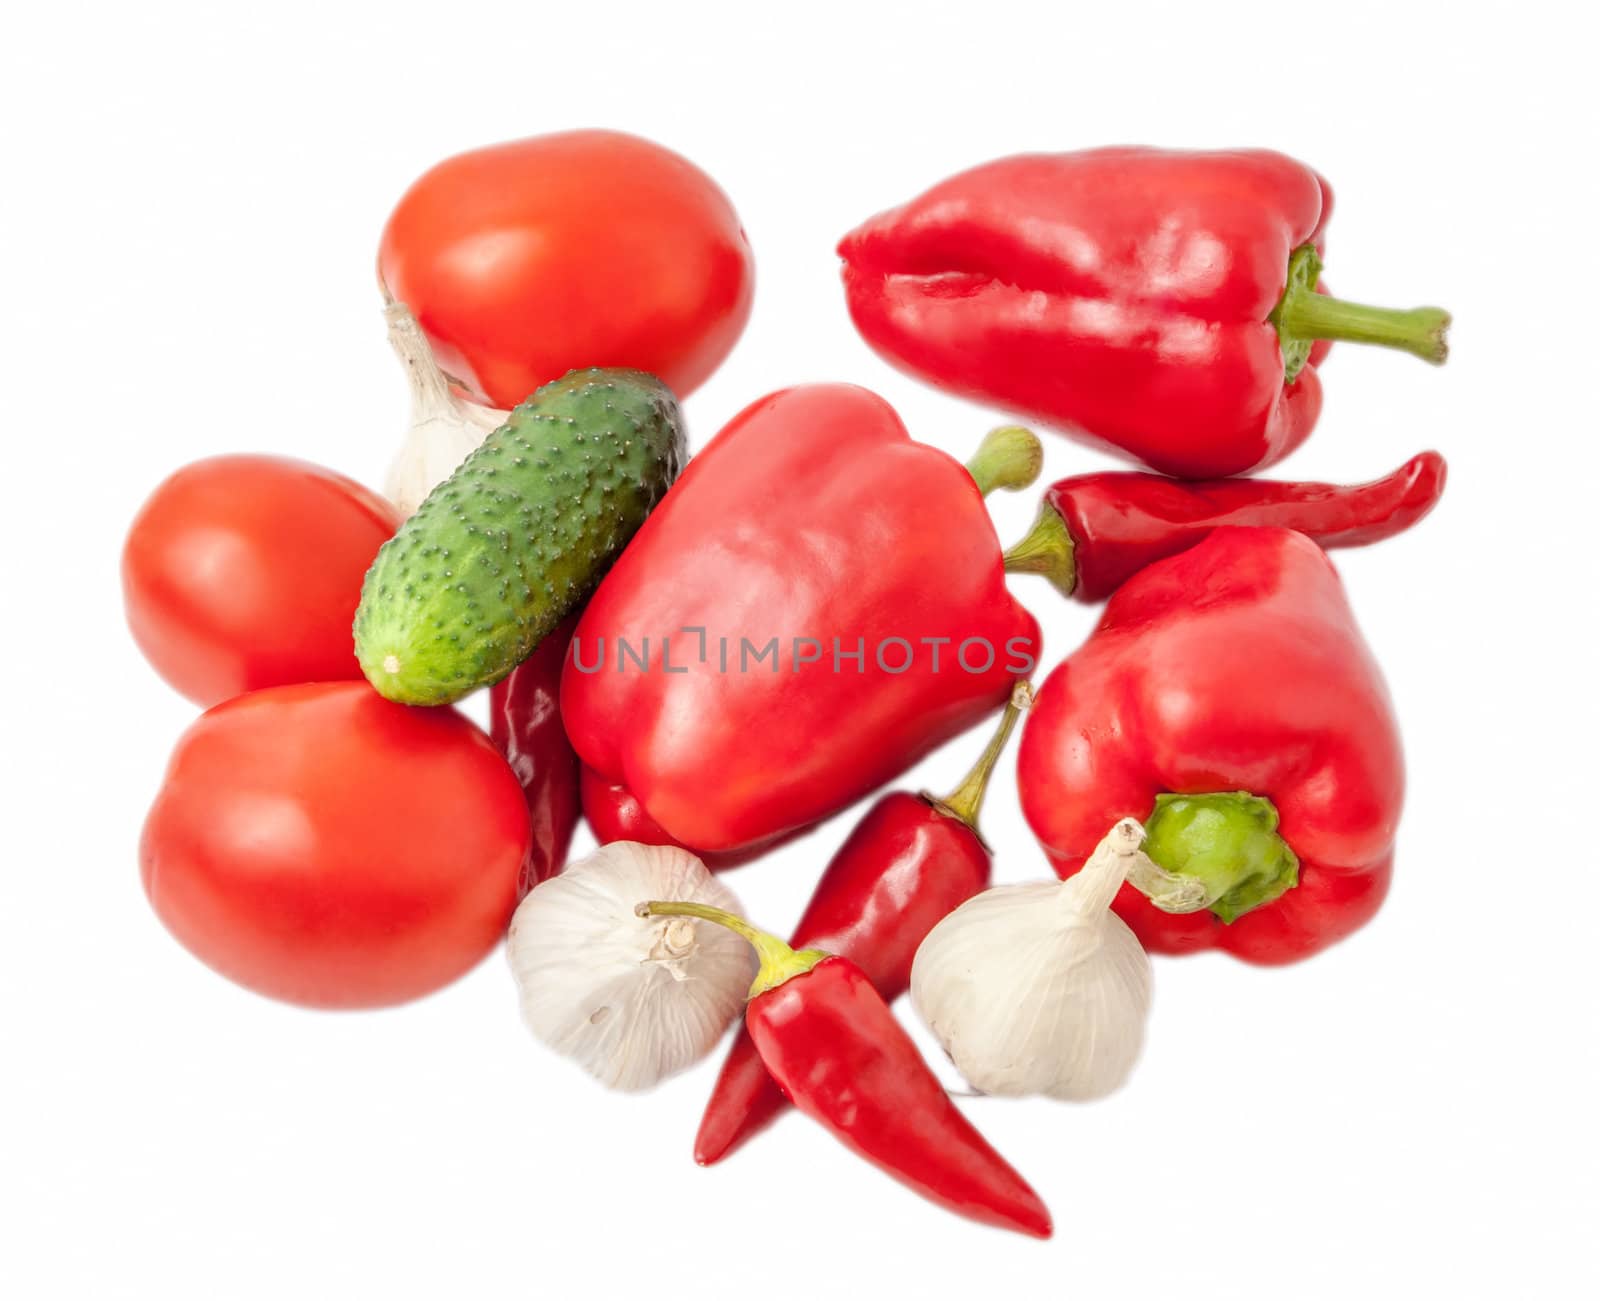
863	572
836	1051
613	813
1159	303
525	723
1095	531
1227	700
909	862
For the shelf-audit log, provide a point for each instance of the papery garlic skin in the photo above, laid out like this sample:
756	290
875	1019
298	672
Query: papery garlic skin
1040	988
631	999
445	427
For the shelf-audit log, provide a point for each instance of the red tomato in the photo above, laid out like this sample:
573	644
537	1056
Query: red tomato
244	572
325	846
526	260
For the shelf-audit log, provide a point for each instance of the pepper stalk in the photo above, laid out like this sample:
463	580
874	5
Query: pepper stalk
965	802
1009	459
778	962
1303	316
1046	549
1225	843
1220	851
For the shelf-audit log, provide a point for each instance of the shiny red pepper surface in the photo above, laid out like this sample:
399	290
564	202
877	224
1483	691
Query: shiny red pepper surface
814	526
839	1055
1235	667
1117	523
614	813
1125	296
525	725
906	865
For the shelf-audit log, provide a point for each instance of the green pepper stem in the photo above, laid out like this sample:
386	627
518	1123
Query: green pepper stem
1302	314
1226	842
778	961
1047	548
1009	457
1418	330
965	802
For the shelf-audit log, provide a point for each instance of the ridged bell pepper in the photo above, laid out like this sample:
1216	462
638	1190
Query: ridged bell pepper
1227	700
614	813
817	603
1158	303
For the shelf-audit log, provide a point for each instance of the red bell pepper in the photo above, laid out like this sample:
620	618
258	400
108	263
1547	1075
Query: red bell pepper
613	813
816	603
1095	531
525	725
1227	700
838	1054
909	862
1158	303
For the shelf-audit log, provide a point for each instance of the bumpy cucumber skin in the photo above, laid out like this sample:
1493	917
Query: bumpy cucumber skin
518	536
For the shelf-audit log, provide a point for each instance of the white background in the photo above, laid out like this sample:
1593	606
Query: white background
194	199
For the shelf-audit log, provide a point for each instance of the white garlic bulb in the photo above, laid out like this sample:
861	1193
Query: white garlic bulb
445	427
632	999
1041	988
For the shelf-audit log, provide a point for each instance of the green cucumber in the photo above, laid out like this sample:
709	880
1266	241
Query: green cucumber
518	536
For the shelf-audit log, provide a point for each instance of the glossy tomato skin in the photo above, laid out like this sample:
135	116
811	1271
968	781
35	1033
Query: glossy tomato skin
243	572
528	259
321	845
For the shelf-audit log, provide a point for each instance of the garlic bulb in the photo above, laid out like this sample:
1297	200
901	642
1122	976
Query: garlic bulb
632	999
1041	988
444	426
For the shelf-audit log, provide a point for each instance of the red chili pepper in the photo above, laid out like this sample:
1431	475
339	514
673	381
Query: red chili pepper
525	724
1095	531
1156	302
1228	701
820	601
613	813
836	1051
909	862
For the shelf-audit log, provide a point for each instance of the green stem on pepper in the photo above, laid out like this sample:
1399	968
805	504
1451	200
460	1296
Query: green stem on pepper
778	961
1227	841
1303	315
1047	548
1009	458
965	802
